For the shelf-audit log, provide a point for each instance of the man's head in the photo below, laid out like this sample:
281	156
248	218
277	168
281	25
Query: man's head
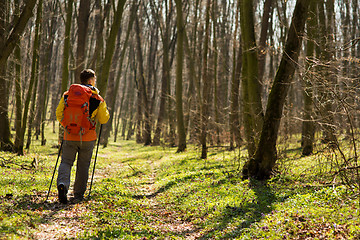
87	76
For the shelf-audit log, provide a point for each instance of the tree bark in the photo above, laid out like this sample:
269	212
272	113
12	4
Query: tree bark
7	45
165	31
114	93
179	77
18	88
142	87
83	22
110	45
308	127
253	112
66	55
234	91
33	79
206	86
263	37
261	166
327	70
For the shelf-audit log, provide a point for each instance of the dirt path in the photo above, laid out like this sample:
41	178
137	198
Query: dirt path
165	218
64	221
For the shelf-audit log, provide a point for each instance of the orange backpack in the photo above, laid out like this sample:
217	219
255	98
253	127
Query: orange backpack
76	112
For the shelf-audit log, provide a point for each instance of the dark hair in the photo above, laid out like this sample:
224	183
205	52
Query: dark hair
86	74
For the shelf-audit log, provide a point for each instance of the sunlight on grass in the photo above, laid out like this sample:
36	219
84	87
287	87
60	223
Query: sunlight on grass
153	193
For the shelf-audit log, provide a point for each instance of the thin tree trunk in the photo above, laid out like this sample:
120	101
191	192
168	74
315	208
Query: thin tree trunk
65	64
83	22
206	86
142	88
18	90
7	45
308	127
262	164
113	92
263	37
35	74
110	45
216	92
34	67
253	112
326	70
179	77
234	92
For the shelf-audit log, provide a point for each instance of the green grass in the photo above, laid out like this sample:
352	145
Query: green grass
152	193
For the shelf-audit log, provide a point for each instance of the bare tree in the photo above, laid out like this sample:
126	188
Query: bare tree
83	22
206	85
7	45
261	165
179	80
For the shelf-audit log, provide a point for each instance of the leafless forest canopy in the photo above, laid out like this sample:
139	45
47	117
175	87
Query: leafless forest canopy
209	72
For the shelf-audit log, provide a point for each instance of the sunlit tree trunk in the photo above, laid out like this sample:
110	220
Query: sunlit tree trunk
165	37
18	88
235	85
142	87
194	101
33	80
216	91
179	77
327	70
66	55
83	22
308	127
251	88
100	17
263	37
112	93
206	86
262	164
110	46
7	45
36	58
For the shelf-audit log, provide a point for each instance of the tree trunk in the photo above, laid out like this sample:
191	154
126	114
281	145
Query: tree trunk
327	70
99	26
263	37
142	88
261	166
7	45
164	86
253	112
34	67
234	91
83	22
206	86
18	89
179	77
308	127
216	92
110	45
65	64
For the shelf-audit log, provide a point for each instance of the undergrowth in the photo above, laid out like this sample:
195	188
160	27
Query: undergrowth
153	193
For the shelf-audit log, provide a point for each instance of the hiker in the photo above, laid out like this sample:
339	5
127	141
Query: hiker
79	109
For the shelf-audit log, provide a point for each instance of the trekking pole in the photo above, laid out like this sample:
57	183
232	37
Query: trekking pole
54	169
97	148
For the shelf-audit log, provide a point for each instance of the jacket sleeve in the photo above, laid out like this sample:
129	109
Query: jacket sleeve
60	110
102	113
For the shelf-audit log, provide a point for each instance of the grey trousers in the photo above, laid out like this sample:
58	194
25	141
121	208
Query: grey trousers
84	151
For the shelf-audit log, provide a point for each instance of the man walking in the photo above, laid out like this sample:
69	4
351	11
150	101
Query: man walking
79	109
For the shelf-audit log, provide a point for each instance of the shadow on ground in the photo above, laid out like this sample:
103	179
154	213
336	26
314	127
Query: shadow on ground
250	211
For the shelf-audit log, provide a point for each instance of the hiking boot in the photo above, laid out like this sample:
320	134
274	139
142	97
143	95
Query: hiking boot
62	193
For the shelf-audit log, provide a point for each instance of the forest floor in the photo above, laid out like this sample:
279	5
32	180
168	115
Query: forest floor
153	193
